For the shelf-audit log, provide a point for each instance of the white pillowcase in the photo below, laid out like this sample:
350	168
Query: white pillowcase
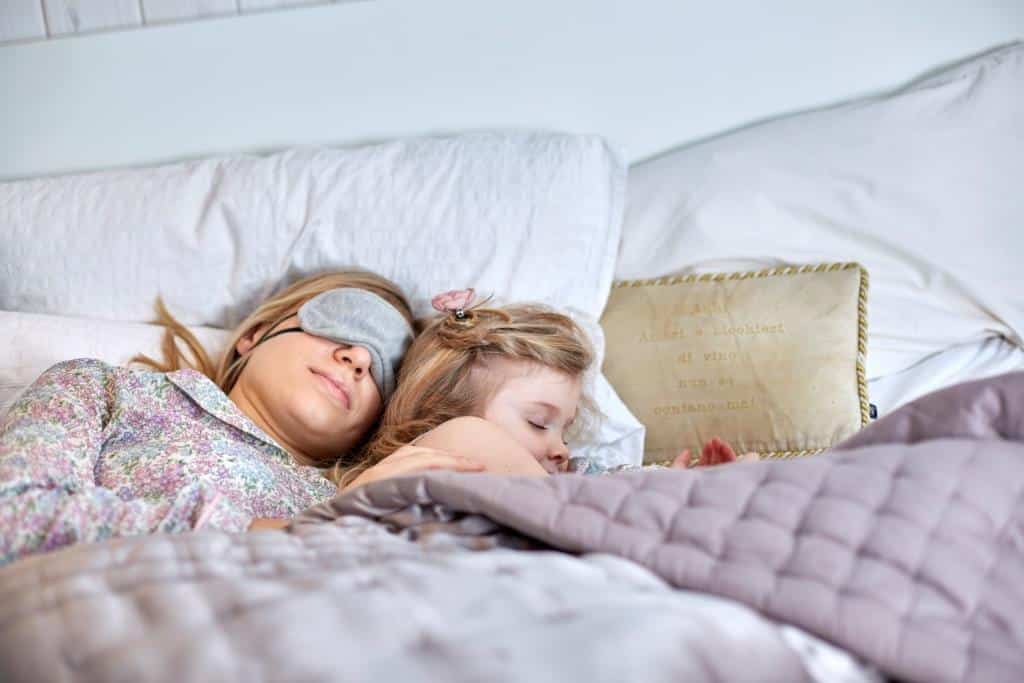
523	216
922	186
530	217
32	342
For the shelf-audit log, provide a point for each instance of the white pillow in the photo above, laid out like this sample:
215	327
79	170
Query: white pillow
526	217
530	217
922	186
32	342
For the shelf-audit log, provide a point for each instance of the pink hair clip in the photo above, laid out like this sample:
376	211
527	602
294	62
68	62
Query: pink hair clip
455	301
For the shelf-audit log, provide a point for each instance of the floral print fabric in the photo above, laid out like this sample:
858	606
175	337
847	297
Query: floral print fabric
92	451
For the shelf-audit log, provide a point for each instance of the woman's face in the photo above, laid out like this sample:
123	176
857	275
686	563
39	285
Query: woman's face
314	396
535	405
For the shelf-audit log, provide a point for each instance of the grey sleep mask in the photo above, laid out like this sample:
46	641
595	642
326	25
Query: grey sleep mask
359	318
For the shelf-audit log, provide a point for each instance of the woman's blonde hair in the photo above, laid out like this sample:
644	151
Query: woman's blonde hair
439	379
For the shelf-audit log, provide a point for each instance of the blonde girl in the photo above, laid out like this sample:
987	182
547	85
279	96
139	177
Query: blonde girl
495	388
91	451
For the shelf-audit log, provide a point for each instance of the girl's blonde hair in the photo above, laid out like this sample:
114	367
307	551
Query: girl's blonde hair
271	312
438	382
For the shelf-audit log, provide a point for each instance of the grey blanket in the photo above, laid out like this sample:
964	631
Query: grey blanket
904	546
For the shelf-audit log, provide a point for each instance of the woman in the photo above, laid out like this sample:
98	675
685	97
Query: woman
92	451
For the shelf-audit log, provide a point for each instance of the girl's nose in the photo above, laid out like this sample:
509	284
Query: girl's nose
558	456
559	461
355	356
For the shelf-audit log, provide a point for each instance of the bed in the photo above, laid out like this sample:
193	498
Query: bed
622	125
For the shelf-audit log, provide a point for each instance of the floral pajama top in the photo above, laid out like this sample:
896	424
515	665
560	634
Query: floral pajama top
91	451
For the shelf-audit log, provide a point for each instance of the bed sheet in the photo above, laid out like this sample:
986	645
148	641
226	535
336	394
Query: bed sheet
983	358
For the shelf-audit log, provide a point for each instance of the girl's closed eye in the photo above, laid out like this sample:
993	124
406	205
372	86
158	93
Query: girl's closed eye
544	428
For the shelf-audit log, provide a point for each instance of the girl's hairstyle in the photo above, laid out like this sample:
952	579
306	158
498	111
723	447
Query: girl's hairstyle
441	376
271	312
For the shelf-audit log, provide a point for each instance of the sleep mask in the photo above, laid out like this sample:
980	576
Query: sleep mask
359	318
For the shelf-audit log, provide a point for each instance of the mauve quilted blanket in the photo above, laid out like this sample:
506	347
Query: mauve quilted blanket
904	545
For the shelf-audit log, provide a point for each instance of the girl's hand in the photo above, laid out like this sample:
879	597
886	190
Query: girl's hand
716	452
411	459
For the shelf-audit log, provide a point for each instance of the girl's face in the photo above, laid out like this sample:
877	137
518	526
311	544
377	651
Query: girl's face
535	405
314	396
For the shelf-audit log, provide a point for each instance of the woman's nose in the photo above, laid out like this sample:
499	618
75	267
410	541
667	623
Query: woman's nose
355	356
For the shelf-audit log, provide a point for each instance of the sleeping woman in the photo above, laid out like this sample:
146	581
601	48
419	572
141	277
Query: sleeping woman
92	451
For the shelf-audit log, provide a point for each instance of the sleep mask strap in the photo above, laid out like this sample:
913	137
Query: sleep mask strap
271	336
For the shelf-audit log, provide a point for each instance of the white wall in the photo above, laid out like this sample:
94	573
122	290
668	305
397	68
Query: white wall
648	74
30	20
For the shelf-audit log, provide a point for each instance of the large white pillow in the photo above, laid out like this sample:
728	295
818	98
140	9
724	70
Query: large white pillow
523	216
923	186
32	342
526	216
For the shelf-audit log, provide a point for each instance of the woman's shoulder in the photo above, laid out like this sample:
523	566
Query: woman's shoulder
95	368
77	370
81	365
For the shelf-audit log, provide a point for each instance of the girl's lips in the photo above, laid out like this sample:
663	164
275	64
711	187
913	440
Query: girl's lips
335	389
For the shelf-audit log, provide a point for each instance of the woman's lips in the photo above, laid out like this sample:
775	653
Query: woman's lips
335	389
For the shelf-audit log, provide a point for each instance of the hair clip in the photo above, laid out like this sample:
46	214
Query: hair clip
454	301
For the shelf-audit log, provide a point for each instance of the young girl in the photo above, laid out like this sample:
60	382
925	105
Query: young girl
495	389
92	451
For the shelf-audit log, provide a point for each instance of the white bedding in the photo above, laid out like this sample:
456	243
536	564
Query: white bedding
922	186
32	342
522	216
961	363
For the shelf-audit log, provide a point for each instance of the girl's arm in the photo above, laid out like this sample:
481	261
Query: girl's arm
463	444
485	442
50	445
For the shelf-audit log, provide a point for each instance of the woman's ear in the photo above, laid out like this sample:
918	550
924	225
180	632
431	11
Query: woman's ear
248	340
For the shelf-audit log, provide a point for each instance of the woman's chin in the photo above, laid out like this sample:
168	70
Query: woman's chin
323	425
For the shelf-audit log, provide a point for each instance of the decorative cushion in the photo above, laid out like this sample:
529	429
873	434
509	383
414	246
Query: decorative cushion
772	361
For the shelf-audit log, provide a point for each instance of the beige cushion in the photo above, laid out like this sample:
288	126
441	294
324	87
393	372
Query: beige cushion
772	361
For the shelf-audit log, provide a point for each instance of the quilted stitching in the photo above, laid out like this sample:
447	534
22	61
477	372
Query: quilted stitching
902	554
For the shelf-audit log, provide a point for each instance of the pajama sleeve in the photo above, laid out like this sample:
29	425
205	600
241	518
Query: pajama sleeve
51	443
